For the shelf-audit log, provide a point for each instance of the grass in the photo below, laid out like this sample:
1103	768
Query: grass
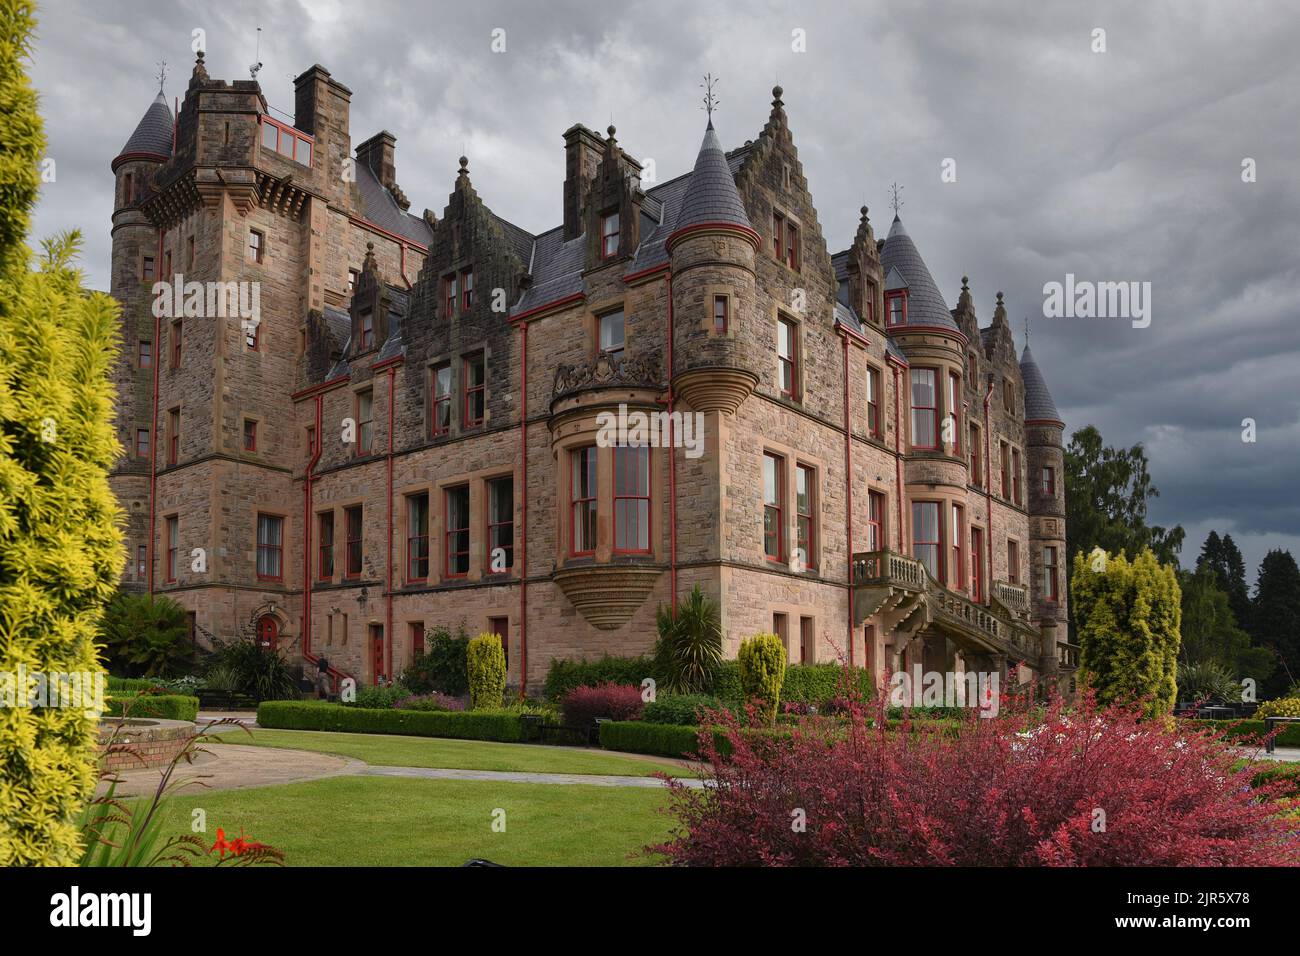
387	750
378	821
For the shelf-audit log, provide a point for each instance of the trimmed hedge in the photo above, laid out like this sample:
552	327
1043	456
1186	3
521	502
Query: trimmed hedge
640	737
565	675
160	706
498	725
1288	734
680	709
129	686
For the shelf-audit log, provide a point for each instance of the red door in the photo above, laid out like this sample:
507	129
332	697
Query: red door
268	633
377	650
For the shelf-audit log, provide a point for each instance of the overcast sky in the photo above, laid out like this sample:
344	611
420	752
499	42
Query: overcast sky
1123	165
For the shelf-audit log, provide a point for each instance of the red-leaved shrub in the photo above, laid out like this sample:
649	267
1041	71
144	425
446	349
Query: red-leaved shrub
1058	786
583	705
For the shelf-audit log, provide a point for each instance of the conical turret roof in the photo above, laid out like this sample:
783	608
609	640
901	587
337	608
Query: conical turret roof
1038	400
925	303
712	196
153	134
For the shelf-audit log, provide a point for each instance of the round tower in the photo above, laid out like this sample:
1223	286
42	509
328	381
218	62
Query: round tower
714	302
1045	461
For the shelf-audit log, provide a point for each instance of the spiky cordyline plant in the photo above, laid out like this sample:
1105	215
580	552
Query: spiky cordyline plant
689	648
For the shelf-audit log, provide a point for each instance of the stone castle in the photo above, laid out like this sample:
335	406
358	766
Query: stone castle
347	425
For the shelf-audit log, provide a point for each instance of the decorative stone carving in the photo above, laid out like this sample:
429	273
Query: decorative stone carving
607	595
603	371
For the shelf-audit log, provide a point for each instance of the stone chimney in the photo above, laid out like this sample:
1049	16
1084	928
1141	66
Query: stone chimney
378	152
582	155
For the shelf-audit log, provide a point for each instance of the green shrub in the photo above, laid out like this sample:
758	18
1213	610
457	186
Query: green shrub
820	683
442	667
61	547
680	709
147	636
565	675
1281	707
1288	734
500	725
762	669
379	698
132	685
689	648
641	737
1207	681
486	662
259	672
160	706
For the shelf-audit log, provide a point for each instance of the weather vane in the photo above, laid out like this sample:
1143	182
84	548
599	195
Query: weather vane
895	201
161	74
710	100
1026	330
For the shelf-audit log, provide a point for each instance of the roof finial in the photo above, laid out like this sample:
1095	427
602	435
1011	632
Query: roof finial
710	98
1026	331
895	200
161	74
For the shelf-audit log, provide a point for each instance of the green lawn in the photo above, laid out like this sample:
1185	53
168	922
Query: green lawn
377	821
386	750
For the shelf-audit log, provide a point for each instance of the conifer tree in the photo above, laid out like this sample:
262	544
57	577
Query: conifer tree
1129	616
60	548
1275	617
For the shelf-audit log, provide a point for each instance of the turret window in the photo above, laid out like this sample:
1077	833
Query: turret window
145	355
957	536
721	314
1050	591
927	539
142	443
1049	480
976	458
609	234
925	409
954	410
873	402
896	308
612	334
147	268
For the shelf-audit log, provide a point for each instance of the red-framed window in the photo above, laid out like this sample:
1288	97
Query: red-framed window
173	546
451	284
773	506
895	308
807	641
778	235
456	551
1005	451
441	399
977	564
142	443
367	330
875	521
287	141
144	354
253	335
925	408
501	522
250	435
141	561
954	409
609	234
582	500
417	639
325	546
927	536
805	513
256	245
417	537
173	436
365	422
147	268
873	402
176	344
957	535
352	541
1049	480
787	352
467	289
721	314
1013	561
613	333
270	548
1015	475
475	377
1050	586
632	498
976	458
500	626
792	245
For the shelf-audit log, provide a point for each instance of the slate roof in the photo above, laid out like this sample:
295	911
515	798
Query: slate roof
382	209
1038	400
925	303
711	195
153	134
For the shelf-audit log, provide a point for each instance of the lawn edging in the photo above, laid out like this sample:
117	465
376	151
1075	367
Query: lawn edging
459	725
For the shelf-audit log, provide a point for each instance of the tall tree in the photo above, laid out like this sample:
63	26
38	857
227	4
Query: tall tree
1210	633
1223	558
1275	615
60	548
1129	616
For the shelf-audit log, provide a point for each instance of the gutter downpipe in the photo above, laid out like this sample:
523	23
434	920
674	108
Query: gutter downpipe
523	525
848	491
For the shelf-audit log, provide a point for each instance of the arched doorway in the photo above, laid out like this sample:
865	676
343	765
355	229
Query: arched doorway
268	632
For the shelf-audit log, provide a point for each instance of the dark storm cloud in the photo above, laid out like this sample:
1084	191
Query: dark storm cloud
1123	165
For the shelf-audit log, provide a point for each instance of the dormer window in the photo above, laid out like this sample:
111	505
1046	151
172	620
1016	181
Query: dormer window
466	289
896	308
612	334
367	330
609	234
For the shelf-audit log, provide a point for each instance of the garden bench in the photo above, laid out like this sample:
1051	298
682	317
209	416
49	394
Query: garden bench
1269	741
224	700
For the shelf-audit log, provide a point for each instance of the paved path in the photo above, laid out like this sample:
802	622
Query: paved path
519	776
1284	754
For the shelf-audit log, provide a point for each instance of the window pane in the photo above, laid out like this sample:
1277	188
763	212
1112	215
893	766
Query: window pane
269	134
611	332
925	535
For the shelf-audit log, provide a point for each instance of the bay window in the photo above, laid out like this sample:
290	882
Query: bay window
927	544
632	498
925	409
582	501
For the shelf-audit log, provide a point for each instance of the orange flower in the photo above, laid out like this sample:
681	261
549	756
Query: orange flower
221	843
